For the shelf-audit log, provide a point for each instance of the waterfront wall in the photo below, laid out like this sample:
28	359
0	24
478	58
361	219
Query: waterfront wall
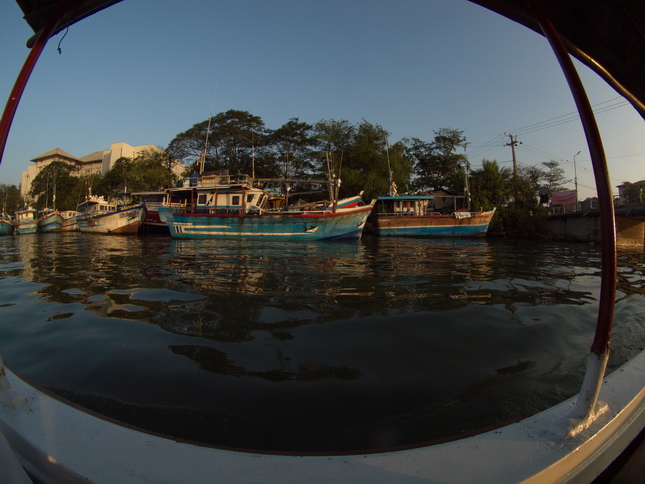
585	227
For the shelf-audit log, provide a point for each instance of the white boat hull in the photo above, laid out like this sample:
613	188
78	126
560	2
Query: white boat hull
56	442
122	222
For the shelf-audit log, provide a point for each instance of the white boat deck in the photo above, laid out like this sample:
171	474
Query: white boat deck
58	443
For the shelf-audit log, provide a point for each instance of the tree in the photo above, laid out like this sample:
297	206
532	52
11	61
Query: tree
55	186
437	164
188	146
229	141
238	138
293	146
553	177
490	185
633	193
150	170
10	198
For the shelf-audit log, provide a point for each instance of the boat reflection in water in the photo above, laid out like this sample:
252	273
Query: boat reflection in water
368	344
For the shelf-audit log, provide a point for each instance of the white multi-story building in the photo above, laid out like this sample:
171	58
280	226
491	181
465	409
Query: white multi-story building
99	162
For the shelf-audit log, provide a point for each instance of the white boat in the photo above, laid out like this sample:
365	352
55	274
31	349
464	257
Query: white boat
70	221
99	216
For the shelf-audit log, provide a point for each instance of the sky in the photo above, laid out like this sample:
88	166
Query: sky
142	72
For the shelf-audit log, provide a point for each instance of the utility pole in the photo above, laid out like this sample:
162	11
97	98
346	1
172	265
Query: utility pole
575	177
513	144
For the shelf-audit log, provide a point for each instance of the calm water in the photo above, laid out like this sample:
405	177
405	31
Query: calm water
308	347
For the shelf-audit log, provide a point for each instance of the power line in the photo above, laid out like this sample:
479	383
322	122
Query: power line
496	142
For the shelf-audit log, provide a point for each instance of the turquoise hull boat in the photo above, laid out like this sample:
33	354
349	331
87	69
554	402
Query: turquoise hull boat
236	207
50	221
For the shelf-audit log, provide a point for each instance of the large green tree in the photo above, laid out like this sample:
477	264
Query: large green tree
490	186
55	186
232	141
292	145
10	198
438	165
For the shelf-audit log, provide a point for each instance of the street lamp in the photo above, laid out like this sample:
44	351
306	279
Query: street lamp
575	177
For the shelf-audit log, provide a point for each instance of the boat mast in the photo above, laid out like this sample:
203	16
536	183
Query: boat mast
391	190
202	158
54	192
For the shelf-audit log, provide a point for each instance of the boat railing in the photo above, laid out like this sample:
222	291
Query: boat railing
238	179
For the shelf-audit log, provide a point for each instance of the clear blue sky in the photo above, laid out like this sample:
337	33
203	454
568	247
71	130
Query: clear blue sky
142	72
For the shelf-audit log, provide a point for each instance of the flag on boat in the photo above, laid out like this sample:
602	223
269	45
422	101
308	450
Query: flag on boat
563	198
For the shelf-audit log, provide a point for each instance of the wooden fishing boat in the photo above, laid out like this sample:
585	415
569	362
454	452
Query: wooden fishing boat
70	221
99	216
416	216
49	220
6	225
25	221
235	206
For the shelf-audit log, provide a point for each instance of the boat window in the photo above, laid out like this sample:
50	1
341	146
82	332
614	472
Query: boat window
249	198
235	200
201	199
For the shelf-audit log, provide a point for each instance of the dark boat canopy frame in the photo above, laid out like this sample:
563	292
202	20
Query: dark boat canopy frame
606	35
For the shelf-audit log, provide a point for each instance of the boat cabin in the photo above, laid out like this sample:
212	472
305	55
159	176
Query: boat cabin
221	194
437	203
96	206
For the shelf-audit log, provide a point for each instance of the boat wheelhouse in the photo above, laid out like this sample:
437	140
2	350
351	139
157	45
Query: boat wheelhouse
25	221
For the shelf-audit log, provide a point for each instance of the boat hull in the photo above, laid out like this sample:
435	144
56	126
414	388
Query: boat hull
27	228
70	221
344	223
52	222
6	227
126	221
475	225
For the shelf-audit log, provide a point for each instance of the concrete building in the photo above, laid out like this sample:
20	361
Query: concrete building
625	187
99	162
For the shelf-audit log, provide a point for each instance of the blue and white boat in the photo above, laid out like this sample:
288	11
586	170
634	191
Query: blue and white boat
49	220
225	206
25	221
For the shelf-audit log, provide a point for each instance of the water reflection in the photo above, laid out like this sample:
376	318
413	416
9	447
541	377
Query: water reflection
386	341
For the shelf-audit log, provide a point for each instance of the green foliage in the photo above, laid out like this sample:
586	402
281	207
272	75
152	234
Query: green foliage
292	145
553	177
235	139
437	164
10	198
490	186
55	180
633	194
150	170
